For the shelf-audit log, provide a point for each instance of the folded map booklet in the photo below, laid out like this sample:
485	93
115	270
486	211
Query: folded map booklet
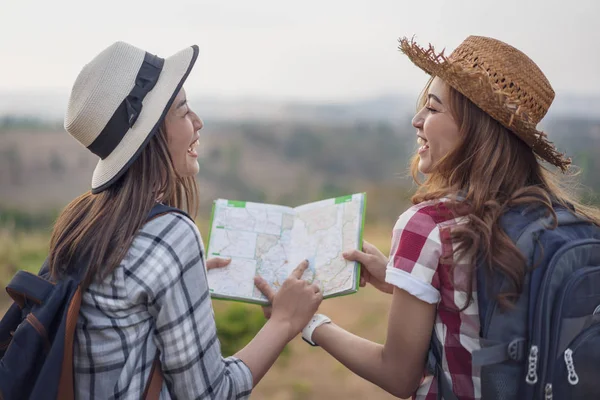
271	240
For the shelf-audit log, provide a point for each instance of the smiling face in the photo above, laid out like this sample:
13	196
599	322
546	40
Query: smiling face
437	131
182	126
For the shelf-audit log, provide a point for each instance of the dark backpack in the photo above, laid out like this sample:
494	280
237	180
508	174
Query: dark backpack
37	332
548	346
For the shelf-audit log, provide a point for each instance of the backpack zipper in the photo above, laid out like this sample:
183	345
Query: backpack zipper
548	392
532	377
543	303
553	351
572	375
537	344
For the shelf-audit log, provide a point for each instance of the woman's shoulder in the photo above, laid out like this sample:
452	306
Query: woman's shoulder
169	236
169	224
162	251
427	212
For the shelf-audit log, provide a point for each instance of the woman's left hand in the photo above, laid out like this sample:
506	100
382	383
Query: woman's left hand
374	264
217	262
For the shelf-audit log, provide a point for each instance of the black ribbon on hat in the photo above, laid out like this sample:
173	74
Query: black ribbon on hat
130	109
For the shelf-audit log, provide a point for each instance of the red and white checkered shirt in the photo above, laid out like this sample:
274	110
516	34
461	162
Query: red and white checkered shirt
421	238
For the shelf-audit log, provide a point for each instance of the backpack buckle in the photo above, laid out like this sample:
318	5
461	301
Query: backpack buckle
516	349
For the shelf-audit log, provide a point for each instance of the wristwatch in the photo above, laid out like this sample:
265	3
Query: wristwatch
316	321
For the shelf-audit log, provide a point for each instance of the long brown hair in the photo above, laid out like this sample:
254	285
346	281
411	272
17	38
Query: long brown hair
99	228
493	170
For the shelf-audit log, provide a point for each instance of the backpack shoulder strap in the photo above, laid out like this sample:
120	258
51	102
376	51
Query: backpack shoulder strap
525	239
525	242
66	386
434	366
161	209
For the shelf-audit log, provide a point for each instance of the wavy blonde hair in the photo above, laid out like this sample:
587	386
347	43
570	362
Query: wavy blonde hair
494	170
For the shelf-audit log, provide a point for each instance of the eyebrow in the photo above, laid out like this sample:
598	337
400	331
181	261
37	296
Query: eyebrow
433	96
181	103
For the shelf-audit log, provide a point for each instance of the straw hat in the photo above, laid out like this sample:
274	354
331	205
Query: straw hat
500	80
118	102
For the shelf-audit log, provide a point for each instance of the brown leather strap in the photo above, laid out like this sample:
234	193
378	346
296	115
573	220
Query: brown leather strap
155	382
66	388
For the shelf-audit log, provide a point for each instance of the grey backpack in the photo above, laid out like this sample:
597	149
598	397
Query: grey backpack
548	345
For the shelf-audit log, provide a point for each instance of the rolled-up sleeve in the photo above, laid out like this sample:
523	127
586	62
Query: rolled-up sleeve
186	334
415	255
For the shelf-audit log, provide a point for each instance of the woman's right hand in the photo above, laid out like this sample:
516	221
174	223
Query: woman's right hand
295	302
374	264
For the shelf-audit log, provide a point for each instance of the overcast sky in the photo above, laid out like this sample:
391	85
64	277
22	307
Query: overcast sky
295	50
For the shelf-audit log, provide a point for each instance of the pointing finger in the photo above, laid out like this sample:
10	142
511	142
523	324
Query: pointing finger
299	270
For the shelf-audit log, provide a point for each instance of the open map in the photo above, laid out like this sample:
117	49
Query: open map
271	240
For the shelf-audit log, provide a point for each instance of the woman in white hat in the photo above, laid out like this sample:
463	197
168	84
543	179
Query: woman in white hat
480	152
146	326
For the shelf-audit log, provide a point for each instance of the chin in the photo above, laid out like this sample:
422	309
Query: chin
189	171
424	168
192	172
193	169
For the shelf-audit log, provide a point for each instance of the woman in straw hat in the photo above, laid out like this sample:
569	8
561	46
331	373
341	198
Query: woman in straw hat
481	154
146	295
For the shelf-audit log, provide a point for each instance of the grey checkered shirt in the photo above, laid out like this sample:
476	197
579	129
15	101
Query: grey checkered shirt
156	300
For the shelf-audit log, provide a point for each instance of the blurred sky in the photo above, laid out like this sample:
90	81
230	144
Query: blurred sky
310	50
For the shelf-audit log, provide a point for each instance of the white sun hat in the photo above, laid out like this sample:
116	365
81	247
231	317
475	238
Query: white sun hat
118	102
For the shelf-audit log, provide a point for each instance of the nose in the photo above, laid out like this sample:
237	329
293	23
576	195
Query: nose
417	120
198	123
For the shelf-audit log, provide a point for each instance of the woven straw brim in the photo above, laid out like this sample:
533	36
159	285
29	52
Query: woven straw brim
155	106
480	88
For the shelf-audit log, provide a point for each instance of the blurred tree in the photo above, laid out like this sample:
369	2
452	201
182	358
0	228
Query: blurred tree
237	324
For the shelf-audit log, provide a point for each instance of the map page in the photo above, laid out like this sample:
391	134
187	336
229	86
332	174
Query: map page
271	240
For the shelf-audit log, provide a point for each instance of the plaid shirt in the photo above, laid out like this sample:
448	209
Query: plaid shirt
421	238
156	300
